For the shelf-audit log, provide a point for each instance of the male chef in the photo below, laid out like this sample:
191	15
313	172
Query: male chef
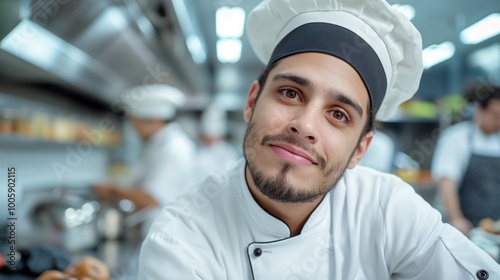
298	206
166	166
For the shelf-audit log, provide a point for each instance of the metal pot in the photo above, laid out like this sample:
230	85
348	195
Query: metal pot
68	221
116	220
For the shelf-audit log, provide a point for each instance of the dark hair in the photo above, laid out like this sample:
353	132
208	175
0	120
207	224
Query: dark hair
262	78
482	94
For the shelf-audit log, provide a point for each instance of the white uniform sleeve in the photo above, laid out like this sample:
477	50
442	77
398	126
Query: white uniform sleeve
451	154
419	246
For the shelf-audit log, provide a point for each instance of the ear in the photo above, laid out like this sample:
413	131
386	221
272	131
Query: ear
253	93
360	150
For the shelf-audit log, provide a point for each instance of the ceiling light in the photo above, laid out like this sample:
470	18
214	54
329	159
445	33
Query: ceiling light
228	50
406	10
481	30
229	22
116	17
435	54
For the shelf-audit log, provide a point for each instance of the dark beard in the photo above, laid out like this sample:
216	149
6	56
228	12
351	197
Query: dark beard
278	188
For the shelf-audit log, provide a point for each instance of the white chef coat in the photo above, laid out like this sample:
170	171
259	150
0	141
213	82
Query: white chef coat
380	153
166	166
453	150
215	158
372	226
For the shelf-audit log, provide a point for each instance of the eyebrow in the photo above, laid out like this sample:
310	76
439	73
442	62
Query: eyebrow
336	95
347	100
294	78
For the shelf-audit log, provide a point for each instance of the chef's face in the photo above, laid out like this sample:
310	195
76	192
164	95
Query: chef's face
146	128
306	127
488	118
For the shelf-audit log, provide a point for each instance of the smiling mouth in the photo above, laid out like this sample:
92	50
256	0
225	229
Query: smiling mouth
292	155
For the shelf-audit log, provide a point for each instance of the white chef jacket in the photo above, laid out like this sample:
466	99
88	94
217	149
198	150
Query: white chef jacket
371	226
453	150
380	153
166	166
215	158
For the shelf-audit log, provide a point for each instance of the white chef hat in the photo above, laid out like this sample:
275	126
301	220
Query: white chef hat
379	42
155	101
214	121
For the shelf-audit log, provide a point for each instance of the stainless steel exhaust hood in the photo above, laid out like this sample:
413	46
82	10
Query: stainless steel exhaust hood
93	46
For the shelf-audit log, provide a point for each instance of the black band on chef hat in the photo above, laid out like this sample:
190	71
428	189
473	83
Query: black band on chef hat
342	43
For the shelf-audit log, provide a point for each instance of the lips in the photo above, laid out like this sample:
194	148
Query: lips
292	154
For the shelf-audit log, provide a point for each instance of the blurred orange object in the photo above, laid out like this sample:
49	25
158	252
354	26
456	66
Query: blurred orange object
89	267
425	178
490	225
2	261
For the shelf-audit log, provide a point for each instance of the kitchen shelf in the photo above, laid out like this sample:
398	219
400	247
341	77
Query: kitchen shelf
24	142
409	119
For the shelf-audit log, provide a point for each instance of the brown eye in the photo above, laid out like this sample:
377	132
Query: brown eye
339	116
290	93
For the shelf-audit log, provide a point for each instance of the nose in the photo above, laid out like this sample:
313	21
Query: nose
304	125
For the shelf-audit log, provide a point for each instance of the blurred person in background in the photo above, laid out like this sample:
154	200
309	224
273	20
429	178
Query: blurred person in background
380	155
165	167
215	154
466	162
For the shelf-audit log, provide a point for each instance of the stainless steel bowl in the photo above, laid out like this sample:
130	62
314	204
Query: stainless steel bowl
68	221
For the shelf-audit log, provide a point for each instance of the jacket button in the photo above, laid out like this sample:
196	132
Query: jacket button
258	251
482	274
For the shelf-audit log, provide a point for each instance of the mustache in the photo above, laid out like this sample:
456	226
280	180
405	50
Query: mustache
284	138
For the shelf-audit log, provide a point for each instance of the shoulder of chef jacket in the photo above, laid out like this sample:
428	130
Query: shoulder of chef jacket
372	226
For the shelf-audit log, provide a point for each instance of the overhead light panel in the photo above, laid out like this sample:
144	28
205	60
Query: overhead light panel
481	30
228	50
406	10
229	22
435	54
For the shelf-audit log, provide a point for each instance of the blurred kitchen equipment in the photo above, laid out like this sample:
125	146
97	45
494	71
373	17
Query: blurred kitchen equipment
115	218
35	260
74	220
406	168
110	221
67	221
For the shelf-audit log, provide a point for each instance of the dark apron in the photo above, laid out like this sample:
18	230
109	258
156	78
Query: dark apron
480	189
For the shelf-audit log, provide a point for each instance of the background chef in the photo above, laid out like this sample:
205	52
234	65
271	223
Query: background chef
466	162
215	153
165	168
